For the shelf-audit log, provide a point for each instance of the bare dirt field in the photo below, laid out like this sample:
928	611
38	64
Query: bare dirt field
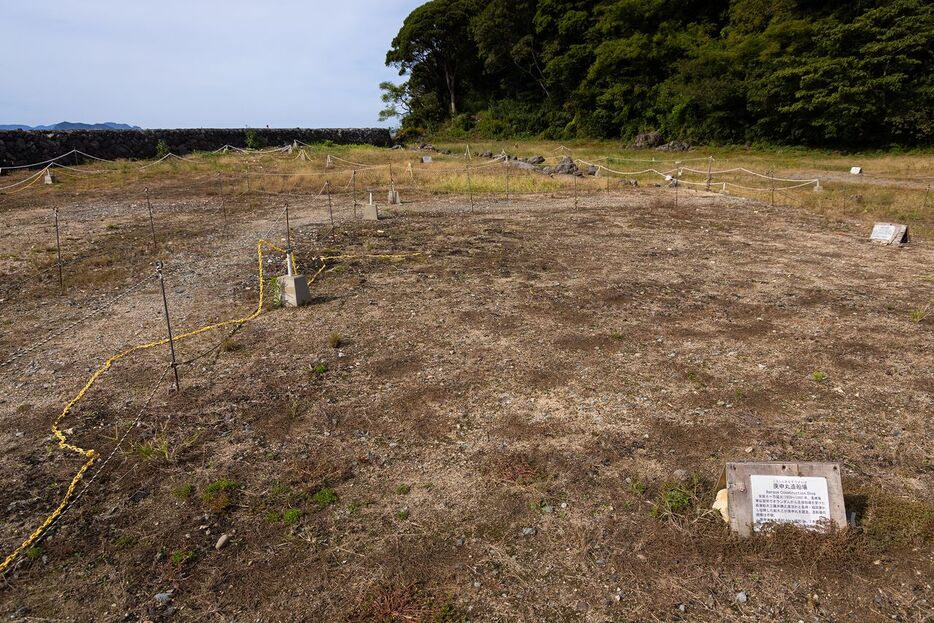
525	422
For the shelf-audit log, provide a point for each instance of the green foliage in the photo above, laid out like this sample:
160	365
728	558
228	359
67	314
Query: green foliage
324	497
273	292
291	516
220	495
819	376
34	552
319	369
254	140
162	149
183	492
731	71
182	556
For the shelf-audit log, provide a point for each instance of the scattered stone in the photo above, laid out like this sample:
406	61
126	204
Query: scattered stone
583	606
741	597
548	508
680	474
648	139
529	531
674	146
222	541
566	166
682	608
163	598
486	154
548	170
592	169
536	160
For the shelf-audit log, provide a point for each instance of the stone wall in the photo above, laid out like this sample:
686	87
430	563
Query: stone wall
18	147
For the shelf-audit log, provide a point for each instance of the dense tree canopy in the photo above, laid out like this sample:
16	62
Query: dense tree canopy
845	73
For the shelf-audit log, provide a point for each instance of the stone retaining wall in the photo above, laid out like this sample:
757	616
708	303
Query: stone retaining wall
19	147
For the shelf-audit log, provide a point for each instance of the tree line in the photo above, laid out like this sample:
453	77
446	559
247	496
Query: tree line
836	73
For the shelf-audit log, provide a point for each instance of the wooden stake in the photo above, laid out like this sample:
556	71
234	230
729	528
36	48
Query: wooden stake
58	247
168	323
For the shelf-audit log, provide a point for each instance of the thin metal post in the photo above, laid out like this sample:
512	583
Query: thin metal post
327	185
676	191
168	323
709	162
288	243
608	182
924	204
575	192
469	188
152	225
506	163
220	193
58	247
771	187
353	179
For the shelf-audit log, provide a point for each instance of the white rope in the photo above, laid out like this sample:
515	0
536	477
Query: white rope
37	164
28	179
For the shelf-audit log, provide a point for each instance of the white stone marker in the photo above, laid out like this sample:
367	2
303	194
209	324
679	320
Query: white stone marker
370	212
856	170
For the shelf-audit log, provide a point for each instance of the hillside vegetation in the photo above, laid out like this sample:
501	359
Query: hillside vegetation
833	73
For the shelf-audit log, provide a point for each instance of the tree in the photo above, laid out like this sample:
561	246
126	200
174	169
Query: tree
435	49
397	100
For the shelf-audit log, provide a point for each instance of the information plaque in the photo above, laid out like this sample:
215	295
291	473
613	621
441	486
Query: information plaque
760	495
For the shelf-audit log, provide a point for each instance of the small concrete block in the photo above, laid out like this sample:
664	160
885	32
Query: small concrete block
49	178
856	170
426	160
393	198
294	289
370	213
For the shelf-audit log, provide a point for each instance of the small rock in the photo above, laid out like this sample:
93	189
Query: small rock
222	541
548	508
163	598
583	606
682	608
741	597
680	474
529	531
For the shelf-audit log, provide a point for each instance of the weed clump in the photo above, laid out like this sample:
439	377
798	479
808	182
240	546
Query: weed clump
335	340
291	516
403	489
324	497
182	556
183	492
819	376
220	495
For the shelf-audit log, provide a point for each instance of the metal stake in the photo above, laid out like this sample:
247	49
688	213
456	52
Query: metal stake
353	179
58	247
469	189
924	204
709	161
288	243
152	225
168	323
327	185
220	193
506	162
771	187
575	192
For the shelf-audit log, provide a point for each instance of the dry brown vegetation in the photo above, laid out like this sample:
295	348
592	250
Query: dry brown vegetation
526	422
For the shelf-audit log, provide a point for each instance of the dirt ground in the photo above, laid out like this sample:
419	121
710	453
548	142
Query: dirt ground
489	431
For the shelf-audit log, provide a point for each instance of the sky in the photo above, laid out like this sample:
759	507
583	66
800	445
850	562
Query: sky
197	63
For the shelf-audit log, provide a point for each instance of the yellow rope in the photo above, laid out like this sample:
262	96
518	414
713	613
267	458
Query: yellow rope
89	453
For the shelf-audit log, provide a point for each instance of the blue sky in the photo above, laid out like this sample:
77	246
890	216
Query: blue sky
196	63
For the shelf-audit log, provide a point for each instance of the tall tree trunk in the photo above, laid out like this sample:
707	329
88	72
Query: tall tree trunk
449	79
